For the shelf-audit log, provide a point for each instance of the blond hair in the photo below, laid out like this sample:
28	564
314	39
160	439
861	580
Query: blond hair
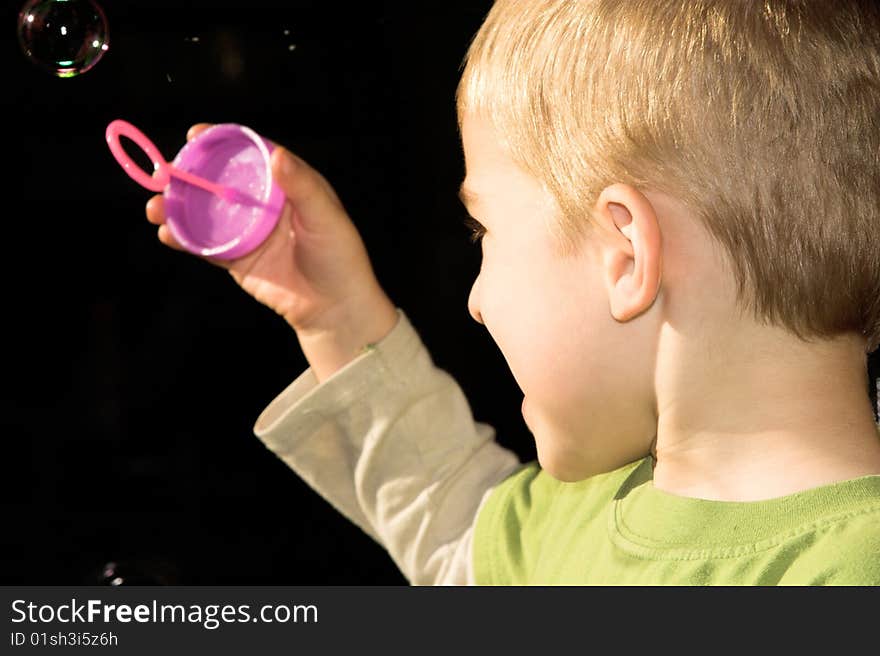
762	117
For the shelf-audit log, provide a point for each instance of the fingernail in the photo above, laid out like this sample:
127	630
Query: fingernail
287	162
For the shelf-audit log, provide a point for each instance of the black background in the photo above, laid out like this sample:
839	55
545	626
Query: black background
133	374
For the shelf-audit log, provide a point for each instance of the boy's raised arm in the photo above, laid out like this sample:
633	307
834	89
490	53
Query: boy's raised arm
389	440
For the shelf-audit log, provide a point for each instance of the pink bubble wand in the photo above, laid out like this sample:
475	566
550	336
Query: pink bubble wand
163	170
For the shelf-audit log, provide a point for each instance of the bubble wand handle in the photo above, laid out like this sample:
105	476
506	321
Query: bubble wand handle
163	171
228	193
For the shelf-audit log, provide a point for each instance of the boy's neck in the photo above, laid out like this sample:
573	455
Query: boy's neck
774	417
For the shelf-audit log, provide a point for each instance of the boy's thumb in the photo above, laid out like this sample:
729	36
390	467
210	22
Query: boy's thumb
311	196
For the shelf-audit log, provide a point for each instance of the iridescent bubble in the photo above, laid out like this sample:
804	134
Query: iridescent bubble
64	37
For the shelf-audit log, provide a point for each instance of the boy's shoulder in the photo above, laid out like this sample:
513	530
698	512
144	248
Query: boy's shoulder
842	550
536	528
534	523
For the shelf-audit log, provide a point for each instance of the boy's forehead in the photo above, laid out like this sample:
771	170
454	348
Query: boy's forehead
479	138
485	159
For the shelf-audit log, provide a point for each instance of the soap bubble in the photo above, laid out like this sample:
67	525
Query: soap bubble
64	37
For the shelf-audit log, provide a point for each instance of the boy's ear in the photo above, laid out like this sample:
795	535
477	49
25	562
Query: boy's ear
631	251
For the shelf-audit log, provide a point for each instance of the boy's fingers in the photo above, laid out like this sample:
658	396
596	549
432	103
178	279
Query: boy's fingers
311	196
166	238
195	129
156	210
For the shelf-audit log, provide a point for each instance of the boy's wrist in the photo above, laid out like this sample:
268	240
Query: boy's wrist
347	333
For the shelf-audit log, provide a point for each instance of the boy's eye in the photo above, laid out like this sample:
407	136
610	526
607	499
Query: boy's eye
476	228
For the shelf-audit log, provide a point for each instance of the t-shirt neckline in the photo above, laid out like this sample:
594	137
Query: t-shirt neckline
653	521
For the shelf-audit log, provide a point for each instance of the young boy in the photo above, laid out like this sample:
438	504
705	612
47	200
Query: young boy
680	223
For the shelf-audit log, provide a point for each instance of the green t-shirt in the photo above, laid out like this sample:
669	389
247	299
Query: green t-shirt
618	529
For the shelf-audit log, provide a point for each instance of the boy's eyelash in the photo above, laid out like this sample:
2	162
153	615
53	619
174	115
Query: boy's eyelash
476	228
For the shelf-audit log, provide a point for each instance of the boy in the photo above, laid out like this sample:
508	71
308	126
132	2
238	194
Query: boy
679	214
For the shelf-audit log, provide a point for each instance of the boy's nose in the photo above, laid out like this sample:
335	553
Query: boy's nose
473	302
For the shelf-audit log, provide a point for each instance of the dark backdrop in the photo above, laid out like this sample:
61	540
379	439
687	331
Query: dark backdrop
132	374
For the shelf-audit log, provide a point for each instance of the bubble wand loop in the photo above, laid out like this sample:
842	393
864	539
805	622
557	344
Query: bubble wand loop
164	171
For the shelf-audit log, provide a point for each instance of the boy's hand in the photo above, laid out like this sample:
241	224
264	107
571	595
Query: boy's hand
313	269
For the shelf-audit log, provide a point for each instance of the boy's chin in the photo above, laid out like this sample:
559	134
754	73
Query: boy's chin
560	465
572	466
559	453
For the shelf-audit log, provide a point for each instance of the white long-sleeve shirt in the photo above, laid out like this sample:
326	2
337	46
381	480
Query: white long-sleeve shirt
390	441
